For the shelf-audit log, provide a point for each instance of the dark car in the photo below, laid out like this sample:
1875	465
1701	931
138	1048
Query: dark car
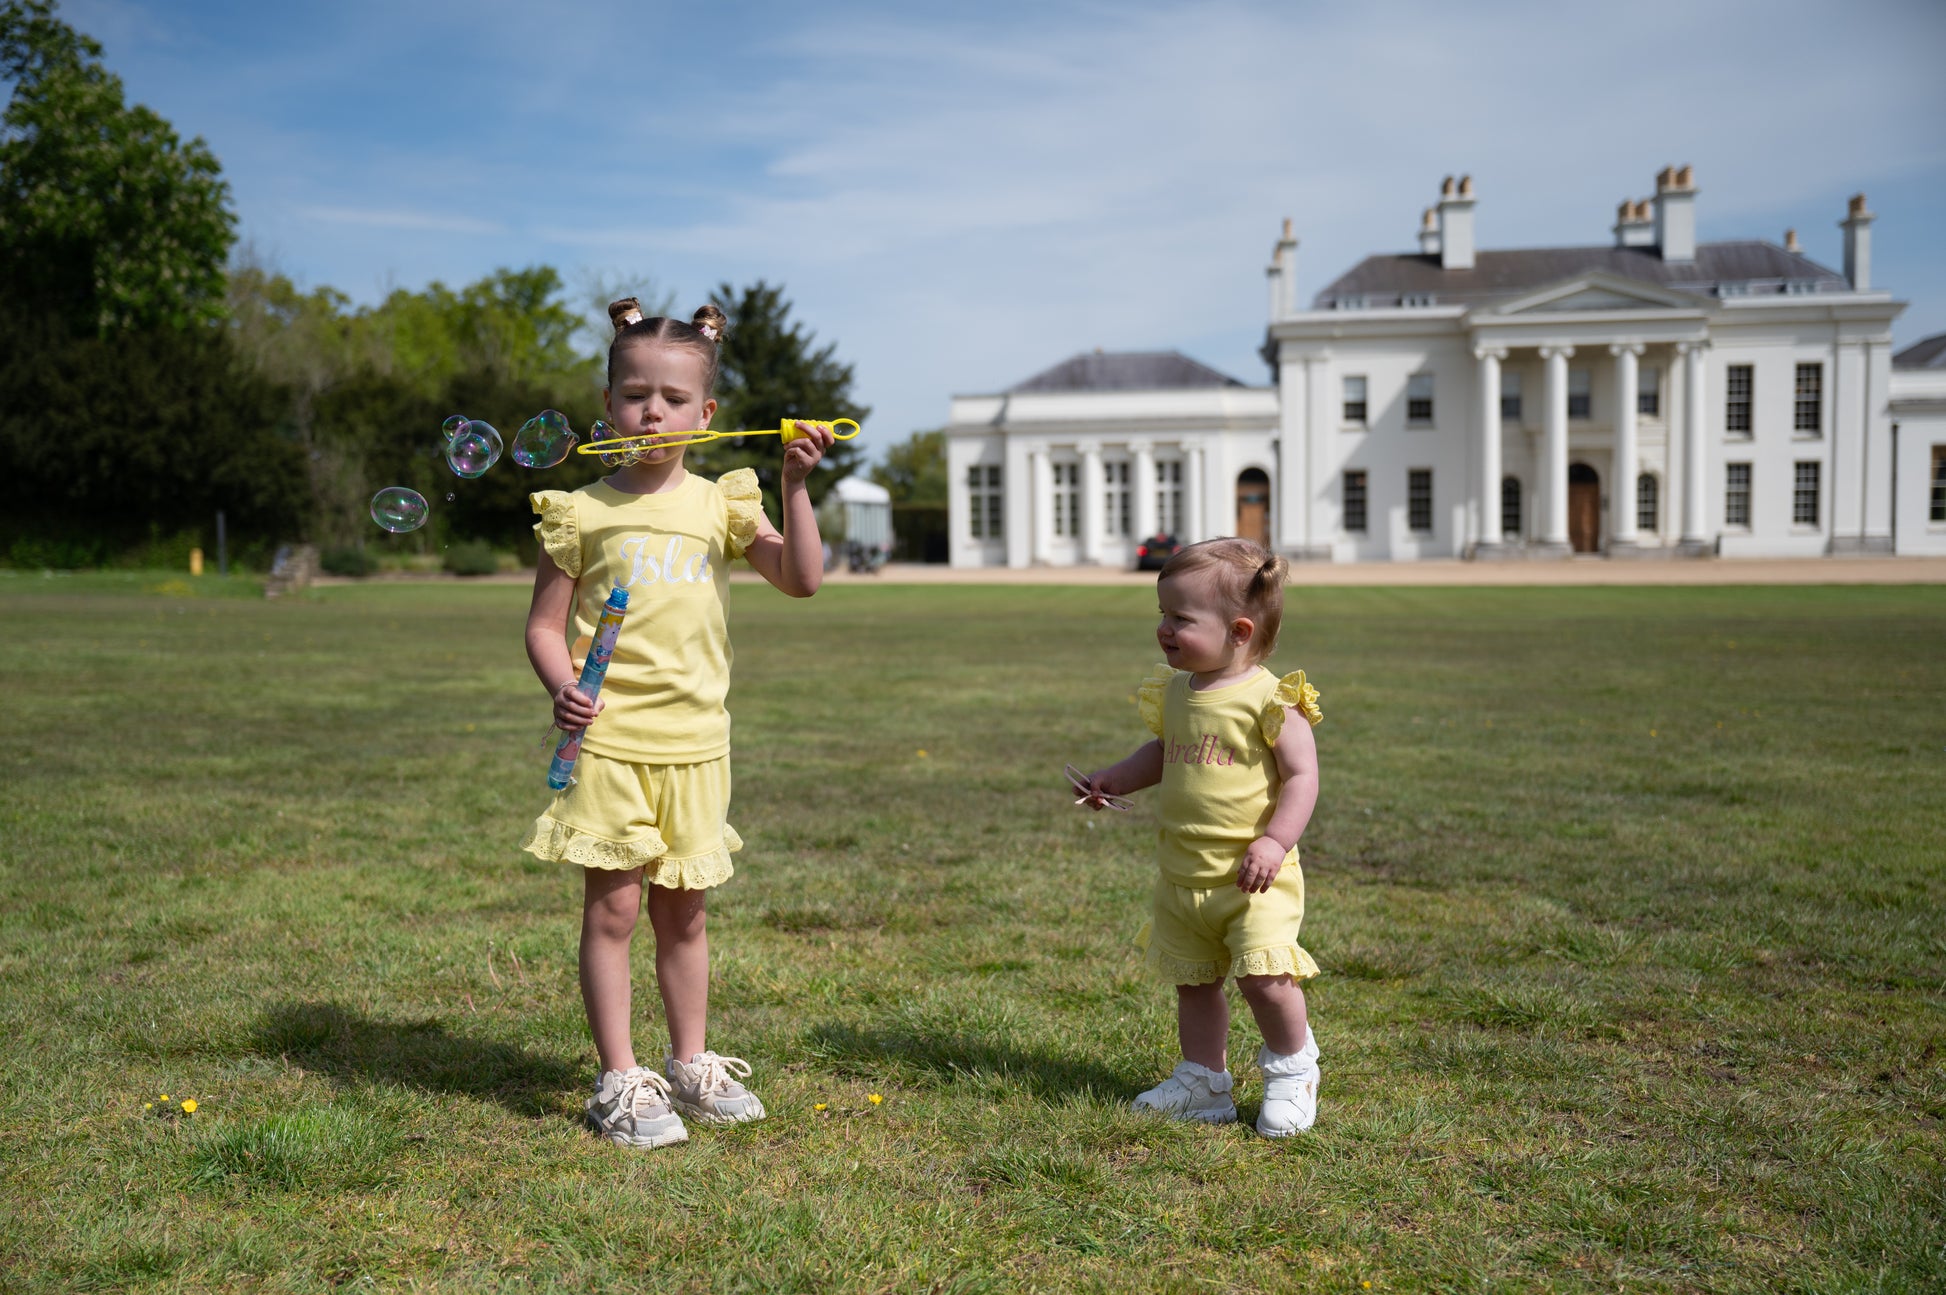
1151	553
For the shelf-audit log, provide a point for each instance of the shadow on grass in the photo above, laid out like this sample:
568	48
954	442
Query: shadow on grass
952	1058
333	1040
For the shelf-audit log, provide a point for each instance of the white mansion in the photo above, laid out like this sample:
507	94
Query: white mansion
1649	397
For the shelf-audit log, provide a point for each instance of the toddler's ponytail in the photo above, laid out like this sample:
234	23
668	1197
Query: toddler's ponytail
1248	578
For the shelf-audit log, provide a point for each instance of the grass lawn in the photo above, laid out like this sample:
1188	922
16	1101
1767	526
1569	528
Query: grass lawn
1630	904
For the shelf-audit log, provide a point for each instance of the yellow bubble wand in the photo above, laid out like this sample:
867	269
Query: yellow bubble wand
668	440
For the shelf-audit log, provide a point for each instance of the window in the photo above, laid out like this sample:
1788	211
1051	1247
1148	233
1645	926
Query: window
1510	397
1736	400
1412	299
1067	499
1648	392
1579	386
1355	399
1809	418
1168	497
1354	489
1804	494
1736	494
1938	511
983	491
1418	400
1648	502
1115	501
1418	499
1510	505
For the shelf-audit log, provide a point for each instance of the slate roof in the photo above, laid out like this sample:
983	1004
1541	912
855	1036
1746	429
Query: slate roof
1927	354
1126	371
1757	266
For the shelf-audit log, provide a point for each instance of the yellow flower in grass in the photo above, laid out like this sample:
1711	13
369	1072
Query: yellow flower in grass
148	1106
875	1099
164	1097
820	1106
188	1106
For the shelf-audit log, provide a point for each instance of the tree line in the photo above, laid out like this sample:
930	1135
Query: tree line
151	376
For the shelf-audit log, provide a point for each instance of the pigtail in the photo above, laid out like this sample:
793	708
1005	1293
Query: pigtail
624	313
711	323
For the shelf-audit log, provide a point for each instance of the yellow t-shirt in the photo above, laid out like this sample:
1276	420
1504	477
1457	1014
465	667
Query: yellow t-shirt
663	697
1219	775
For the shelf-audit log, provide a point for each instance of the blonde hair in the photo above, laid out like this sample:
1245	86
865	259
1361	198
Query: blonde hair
703	333
1248	579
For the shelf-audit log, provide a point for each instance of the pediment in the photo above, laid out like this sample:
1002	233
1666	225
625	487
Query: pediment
1594	292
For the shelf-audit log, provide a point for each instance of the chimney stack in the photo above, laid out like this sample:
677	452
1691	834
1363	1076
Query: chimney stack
1857	225
1791	244
1456	224
1282	274
1429	233
1633	225
1675	213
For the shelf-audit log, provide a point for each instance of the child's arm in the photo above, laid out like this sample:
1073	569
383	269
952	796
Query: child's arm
1141	768
1297	760
794	560
547	649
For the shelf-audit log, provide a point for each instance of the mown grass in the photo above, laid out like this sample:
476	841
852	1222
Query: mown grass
1629	901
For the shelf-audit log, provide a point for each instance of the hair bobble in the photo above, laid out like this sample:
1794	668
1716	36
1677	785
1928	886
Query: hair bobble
630	316
707	330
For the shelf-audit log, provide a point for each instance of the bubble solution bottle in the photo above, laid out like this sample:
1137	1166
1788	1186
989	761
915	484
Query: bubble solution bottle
560	773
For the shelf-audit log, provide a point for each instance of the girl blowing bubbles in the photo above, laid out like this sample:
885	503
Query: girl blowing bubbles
652	786
1238	783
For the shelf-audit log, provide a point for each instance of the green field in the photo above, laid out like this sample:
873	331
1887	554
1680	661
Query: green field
1630	903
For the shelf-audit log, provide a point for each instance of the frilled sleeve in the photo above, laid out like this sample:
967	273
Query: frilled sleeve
1149	697
744	499
557	530
1293	690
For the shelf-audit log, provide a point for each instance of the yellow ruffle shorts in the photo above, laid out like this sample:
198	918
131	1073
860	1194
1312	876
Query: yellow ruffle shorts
668	819
1195	937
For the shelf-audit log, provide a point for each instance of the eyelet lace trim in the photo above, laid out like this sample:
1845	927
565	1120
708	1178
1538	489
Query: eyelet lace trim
555	842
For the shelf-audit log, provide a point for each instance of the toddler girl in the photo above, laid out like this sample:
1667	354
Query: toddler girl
652	785
1238	784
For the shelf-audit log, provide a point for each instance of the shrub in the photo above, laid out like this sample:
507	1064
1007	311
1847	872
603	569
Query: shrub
347	561
471	558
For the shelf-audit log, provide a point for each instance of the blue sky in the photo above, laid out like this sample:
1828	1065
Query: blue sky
959	198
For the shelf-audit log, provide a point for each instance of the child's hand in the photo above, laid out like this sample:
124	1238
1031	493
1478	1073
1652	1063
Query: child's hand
573	708
1261	864
803	452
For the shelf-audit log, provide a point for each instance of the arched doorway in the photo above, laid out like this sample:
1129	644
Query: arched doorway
1253	505
1584	509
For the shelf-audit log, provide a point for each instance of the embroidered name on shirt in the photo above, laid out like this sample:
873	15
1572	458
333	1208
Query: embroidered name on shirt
1207	751
672	567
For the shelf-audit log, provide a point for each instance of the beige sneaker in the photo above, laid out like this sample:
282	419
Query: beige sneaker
631	1109
705	1088
1193	1092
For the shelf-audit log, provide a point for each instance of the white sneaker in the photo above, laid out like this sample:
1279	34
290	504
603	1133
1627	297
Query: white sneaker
705	1088
631	1109
1290	1089
1192	1092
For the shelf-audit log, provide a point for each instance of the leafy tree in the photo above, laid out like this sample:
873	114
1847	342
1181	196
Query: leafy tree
772	371
914	470
108	220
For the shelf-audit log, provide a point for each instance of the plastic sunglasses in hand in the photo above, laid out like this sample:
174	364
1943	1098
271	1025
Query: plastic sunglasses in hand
1095	799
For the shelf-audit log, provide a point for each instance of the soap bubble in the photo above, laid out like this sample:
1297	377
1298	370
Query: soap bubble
451	427
543	440
399	510
601	431
450	496
475	449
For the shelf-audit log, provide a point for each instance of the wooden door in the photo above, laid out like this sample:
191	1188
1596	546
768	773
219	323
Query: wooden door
1253	506
1584	514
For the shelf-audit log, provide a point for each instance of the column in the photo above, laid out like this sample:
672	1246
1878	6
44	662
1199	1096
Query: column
1621	490
1144	487
1489	358
1017	503
1291	515
1554	456
1694	447
1041	501
1192	494
1092	522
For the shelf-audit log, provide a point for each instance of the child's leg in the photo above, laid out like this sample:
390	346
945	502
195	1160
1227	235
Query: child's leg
1277	1002
682	965
609	904
1203	1023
